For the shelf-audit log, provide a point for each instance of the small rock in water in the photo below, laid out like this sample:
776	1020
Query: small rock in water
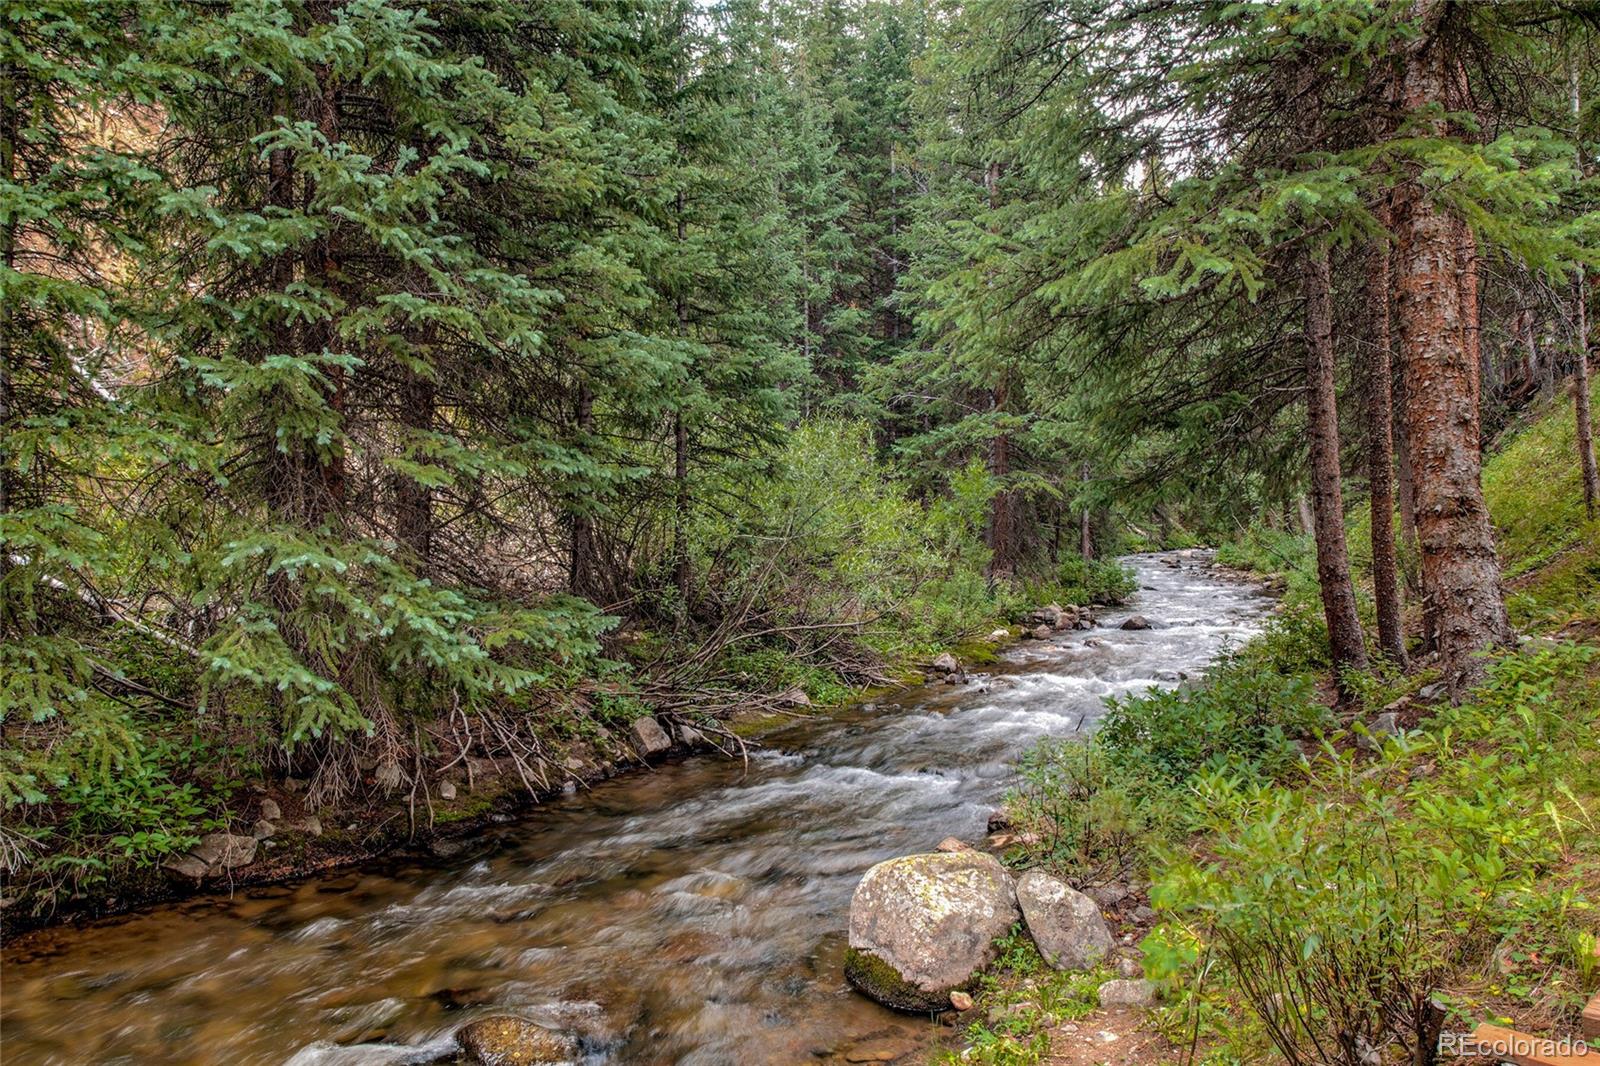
1042	633
504	1040
270	810
952	844
447	790
1136	621
1128	993
945	663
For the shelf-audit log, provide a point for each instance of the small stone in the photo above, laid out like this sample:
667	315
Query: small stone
961	1001
1000	634
1128	993
226	850
952	844
294	784
1144	915
649	737
270	810
1109	894
945	663
1387	724
1137	621
874	1053
186	866
794	697
1129	968
1042	633
997	821
447	790
690	737
504	1040
311	825
1433	691
263	829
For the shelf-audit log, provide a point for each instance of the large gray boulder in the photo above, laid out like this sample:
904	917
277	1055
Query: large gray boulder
921	926
1065	924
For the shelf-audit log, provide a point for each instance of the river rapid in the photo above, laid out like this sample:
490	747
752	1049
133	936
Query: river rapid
694	913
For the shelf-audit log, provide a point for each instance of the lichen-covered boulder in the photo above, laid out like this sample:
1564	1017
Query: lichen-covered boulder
505	1040
922	925
1065	924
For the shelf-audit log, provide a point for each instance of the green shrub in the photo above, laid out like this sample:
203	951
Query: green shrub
1338	912
1246	717
1095	819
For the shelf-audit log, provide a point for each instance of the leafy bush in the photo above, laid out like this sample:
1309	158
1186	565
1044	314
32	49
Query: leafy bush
1340	911
1094	818
1246	716
1079	580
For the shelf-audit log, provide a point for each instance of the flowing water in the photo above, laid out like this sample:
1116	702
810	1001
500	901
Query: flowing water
695	913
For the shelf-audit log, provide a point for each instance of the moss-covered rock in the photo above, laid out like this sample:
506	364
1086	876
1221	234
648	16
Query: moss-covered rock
877	980
921	926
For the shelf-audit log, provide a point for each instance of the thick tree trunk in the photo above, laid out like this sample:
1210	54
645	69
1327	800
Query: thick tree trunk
1380	461
1345	638
322	268
683	574
1460	573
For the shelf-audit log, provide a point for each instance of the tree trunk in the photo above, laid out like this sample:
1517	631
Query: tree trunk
1460	573
1580	321
581	564
1380	461
1303	512
1086	537
413	501
322	269
1580	392
1345	638
683	575
1001	548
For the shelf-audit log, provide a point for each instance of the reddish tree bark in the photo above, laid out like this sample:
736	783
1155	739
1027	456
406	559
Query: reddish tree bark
1345	638
1460	572
1380	461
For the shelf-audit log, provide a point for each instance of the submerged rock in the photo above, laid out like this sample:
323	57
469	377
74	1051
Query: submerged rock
505	1040
1136	621
1066	925
922	925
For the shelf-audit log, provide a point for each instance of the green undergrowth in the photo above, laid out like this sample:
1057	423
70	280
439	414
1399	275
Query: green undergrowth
1022	997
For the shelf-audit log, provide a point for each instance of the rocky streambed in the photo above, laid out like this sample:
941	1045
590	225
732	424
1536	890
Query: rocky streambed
697	913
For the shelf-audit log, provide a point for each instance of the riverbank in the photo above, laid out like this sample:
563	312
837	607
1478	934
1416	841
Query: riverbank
739	874
272	833
1451	850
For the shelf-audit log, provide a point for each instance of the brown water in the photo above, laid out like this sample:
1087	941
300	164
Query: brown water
694	914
